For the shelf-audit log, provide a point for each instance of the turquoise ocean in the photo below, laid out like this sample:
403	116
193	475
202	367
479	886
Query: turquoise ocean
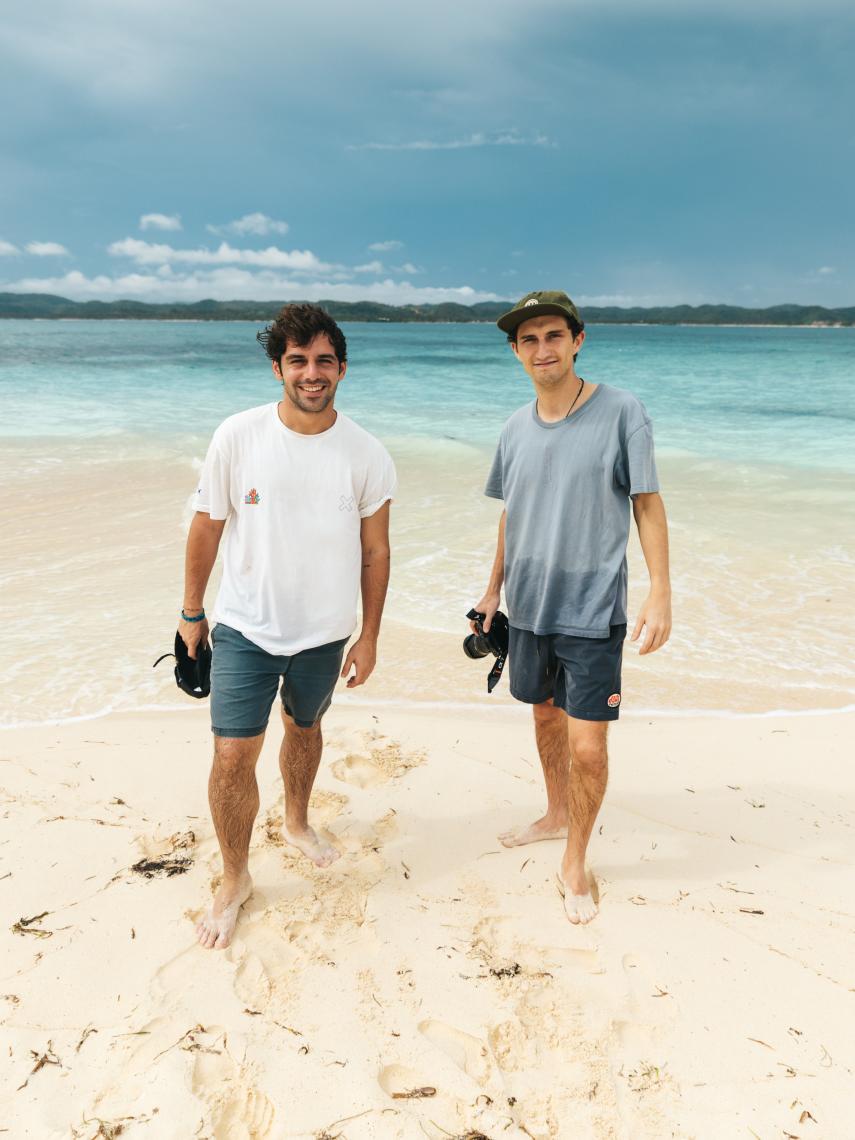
104	424
736	395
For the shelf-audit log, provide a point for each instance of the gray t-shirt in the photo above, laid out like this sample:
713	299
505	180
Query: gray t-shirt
567	489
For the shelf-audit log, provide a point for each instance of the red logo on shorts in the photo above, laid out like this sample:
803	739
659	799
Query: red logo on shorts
614	700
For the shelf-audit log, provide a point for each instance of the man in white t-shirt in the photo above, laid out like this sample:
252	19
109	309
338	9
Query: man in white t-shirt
306	495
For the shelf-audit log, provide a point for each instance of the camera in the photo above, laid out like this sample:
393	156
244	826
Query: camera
495	641
480	644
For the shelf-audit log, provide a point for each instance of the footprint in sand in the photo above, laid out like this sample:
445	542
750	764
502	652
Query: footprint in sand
358	771
401	1083
237	1110
245	1115
252	982
467	1052
588	960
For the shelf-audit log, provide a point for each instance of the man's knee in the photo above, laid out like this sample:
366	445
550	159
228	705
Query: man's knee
590	755
547	713
236	754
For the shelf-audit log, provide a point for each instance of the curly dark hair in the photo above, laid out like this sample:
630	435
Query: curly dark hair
299	323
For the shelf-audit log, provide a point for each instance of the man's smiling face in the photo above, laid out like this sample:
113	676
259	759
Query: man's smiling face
310	374
545	347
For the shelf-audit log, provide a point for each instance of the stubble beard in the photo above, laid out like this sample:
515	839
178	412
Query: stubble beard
313	408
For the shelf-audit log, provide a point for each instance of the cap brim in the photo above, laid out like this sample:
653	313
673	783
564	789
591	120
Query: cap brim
512	320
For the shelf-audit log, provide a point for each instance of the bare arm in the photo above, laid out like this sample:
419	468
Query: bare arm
203	542
655	614
362	655
492	595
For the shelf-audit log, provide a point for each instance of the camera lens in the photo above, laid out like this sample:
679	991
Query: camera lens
476	646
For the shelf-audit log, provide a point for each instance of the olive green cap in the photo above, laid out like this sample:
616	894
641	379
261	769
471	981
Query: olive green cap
545	303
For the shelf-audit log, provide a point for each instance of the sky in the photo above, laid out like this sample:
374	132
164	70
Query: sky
629	152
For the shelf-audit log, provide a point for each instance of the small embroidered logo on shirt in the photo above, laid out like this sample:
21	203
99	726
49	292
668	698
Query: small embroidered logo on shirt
614	700
253	498
345	502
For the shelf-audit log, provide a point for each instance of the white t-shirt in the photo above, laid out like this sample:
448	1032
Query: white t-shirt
291	549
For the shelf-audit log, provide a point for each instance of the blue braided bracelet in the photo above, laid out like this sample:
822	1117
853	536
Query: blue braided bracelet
201	617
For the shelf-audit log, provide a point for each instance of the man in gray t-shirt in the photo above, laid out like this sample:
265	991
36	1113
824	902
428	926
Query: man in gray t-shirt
569	468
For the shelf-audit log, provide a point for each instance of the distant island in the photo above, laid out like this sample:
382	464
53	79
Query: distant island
44	306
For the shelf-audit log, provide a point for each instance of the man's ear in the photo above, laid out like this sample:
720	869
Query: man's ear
513	345
342	368
277	371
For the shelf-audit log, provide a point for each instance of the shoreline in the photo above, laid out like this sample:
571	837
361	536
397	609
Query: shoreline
455	708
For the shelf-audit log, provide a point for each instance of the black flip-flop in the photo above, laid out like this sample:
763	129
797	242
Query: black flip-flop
191	676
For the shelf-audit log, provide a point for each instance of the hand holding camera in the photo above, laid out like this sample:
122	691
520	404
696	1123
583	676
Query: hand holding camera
490	635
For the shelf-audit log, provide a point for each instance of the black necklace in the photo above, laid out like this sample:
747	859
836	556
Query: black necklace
572	406
576	397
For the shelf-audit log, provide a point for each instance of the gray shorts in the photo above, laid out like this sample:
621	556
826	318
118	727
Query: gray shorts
580	674
244	680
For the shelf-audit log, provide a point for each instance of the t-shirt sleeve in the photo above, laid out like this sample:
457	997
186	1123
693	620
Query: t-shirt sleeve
495	488
212	494
380	485
639	462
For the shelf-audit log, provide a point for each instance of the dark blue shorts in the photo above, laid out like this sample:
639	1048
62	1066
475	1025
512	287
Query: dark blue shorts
580	674
244	680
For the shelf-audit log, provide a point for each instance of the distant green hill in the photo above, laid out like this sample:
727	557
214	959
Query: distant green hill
47	307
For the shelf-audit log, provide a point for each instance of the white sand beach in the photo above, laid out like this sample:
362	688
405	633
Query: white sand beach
428	983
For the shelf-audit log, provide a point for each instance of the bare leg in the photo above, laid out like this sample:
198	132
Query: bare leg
233	796
588	778
299	758
553	746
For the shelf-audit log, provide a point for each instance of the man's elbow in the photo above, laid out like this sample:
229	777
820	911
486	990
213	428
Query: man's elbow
374	553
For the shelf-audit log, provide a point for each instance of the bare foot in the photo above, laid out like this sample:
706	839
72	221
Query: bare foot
547	827
312	845
580	908
215	930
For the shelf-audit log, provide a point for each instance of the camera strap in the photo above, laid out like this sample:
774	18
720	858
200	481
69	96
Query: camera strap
495	674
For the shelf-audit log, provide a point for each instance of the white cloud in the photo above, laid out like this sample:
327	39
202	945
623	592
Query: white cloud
407	267
7	249
478	139
46	249
151	253
385	246
160	222
826	270
234	283
370	267
257	224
